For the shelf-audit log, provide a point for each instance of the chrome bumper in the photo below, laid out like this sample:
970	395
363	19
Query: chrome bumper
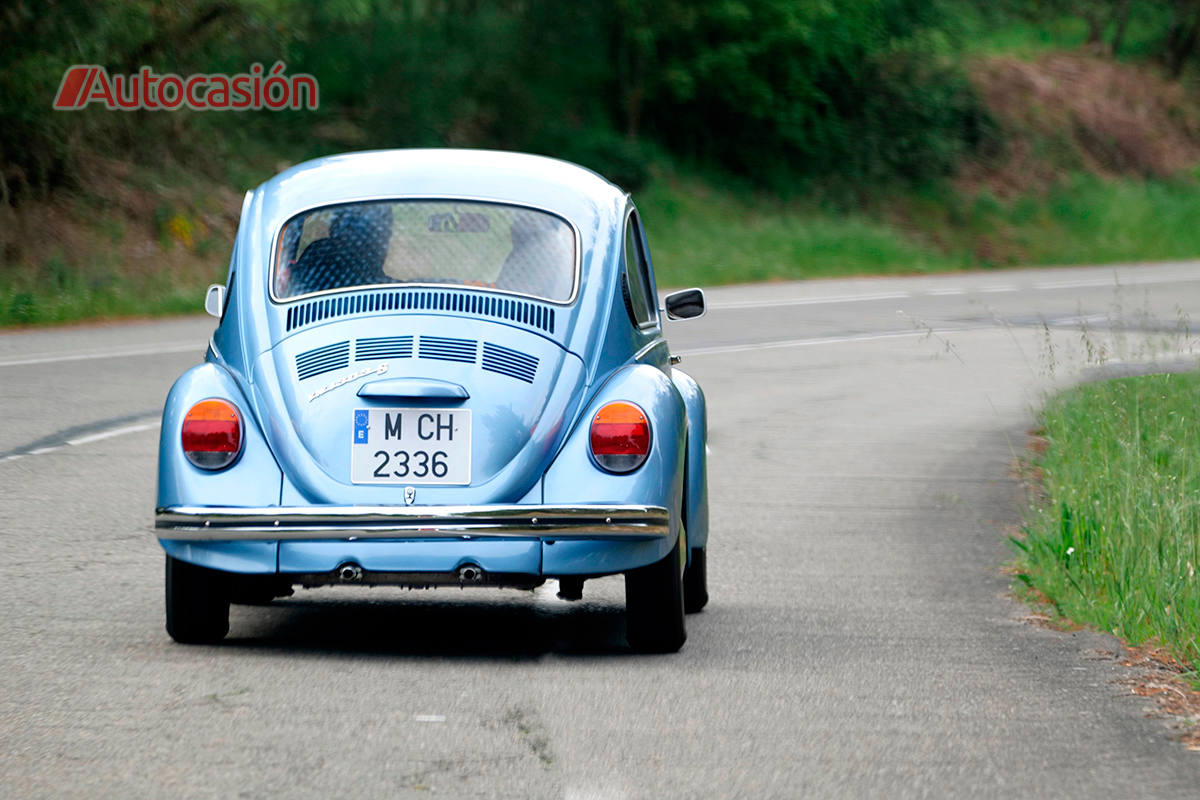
349	523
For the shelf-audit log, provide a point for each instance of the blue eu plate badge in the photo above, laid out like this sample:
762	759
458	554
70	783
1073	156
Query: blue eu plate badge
361	425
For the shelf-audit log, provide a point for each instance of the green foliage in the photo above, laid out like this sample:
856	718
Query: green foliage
701	232
780	90
774	89
1083	220
41	148
62	295
703	235
1116	543
1123	219
1163	30
530	76
791	93
22	309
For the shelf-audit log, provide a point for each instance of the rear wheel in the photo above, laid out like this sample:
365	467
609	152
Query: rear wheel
695	582
197	603
654	606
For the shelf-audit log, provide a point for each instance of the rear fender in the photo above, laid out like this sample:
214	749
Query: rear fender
695	505
575	478
253	480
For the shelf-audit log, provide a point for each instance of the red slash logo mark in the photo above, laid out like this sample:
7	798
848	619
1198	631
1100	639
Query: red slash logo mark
73	91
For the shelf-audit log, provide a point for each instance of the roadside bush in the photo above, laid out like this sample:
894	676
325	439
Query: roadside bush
778	90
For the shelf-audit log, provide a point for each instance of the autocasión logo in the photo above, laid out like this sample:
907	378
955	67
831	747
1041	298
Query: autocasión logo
258	89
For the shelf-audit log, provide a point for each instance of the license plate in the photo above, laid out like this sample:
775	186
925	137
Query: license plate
411	446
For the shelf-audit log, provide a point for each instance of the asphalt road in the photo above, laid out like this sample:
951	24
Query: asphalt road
859	642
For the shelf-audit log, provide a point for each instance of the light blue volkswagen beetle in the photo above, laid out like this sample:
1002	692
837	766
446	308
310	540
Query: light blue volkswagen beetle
436	367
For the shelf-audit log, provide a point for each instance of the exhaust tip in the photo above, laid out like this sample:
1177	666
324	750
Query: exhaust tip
349	573
470	573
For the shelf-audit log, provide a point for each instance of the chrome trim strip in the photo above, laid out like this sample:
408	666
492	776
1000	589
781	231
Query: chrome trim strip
576	289
614	522
640	354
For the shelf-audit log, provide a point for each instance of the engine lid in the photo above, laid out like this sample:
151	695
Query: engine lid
406	408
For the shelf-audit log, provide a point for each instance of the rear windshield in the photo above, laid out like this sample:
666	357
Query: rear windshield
490	245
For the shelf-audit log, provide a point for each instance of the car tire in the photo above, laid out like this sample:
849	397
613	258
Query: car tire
197	603
654	606
695	582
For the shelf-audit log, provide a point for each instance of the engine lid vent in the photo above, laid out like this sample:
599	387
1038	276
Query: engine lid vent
507	361
446	349
383	347
322	359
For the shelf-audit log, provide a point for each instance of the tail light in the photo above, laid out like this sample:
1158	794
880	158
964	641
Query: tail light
620	437
212	434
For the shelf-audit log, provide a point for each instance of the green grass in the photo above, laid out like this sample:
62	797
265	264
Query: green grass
79	301
701	235
1023	38
1091	220
1115	542
1010	34
1083	220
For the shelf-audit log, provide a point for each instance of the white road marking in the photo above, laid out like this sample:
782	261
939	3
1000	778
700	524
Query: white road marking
870	337
429	718
171	347
811	301
1113	282
949	291
1073	284
96	437
91	437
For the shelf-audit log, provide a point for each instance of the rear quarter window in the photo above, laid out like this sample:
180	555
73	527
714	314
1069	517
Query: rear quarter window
643	304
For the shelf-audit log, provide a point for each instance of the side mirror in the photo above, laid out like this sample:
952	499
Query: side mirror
214	300
687	304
